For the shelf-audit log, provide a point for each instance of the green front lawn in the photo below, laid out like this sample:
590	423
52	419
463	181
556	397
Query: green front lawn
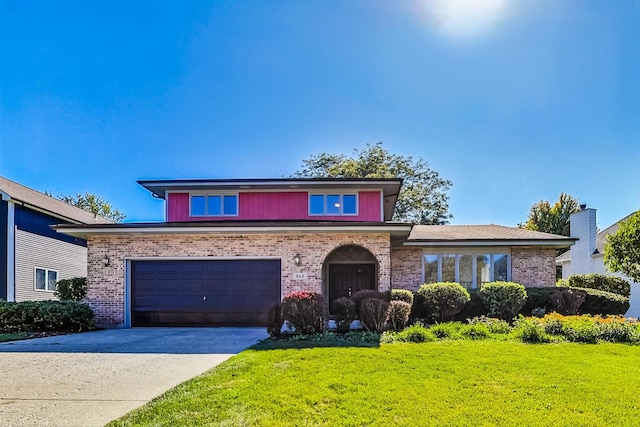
446	383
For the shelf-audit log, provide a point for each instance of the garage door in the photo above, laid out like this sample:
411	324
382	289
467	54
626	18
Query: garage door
203	293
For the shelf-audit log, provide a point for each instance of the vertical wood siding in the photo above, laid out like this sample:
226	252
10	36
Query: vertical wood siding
286	205
33	251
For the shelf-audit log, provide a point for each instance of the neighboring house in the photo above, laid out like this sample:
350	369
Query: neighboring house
229	249
32	255
587	255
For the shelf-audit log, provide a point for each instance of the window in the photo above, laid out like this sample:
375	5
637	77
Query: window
214	205
45	280
469	269
333	204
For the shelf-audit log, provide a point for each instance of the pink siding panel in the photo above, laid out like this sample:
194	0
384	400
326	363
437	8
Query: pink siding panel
289	205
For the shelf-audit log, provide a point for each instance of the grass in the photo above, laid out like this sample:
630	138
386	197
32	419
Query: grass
15	336
443	383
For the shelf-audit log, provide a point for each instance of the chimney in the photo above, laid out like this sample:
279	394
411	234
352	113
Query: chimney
583	227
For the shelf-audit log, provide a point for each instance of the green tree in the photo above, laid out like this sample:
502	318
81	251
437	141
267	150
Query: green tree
423	197
622	251
552	218
94	204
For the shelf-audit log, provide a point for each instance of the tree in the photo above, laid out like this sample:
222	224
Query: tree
552	219
423	197
94	204
622	251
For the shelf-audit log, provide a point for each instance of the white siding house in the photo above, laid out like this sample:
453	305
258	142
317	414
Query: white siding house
587	255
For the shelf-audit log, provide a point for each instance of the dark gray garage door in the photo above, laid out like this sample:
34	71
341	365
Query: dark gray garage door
203	293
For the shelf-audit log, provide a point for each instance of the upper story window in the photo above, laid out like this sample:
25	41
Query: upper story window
44	279
214	205
333	204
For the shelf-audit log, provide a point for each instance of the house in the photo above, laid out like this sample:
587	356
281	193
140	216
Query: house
230	249
33	256
587	255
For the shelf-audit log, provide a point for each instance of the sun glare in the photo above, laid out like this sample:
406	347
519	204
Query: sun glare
465	18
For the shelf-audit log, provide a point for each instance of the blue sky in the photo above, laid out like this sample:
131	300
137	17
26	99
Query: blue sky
513	101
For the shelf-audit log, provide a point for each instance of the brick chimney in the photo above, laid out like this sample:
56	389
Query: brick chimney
583	227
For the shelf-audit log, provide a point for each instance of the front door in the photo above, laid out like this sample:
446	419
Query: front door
347	279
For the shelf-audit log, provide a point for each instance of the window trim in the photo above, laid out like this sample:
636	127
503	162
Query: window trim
333	193
221	194
458	252
46	279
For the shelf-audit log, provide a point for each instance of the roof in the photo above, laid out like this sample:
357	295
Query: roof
390	186
601	237
450	235
50	205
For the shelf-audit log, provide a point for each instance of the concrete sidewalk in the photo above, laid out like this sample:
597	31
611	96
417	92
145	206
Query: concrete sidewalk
92	378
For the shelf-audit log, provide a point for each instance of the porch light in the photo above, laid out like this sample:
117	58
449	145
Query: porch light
106	261
296	260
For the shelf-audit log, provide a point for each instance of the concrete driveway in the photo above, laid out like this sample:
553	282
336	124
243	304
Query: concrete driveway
92	378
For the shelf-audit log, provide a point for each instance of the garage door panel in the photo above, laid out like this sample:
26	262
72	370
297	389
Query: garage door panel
238	292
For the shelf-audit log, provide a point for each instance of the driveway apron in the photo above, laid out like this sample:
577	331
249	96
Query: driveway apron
92	378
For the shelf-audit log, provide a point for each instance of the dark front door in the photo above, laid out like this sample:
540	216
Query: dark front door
200	293
347	279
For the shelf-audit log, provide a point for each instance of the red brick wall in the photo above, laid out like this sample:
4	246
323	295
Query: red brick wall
106	285
533	266
406	268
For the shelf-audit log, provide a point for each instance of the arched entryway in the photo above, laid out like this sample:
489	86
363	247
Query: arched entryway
349	269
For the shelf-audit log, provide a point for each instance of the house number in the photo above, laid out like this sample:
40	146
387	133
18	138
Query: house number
299	276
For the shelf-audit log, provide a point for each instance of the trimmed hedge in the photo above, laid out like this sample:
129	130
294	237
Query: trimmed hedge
596	302
439	302
74	289
473	308
45	316
599	282
503	299
361	296
373	314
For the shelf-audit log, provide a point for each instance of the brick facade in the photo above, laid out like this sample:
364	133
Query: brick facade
406	268
106	285
533	266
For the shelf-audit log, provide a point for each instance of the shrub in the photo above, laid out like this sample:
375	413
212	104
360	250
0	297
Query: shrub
503	299
619	332
567	301
274	320
601	282
74	289
476	331
604	303
45	316
537	297
441	301
472	308
495	326
415	333
562	283
449	330
530	331
373	314
399	314
538	312
401	295
304	311
359	297
344	312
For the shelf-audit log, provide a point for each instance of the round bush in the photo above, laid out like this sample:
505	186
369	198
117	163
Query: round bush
373	314
401	295
304	311
503	299
399	314
439	302
344	312
74	289
359	297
